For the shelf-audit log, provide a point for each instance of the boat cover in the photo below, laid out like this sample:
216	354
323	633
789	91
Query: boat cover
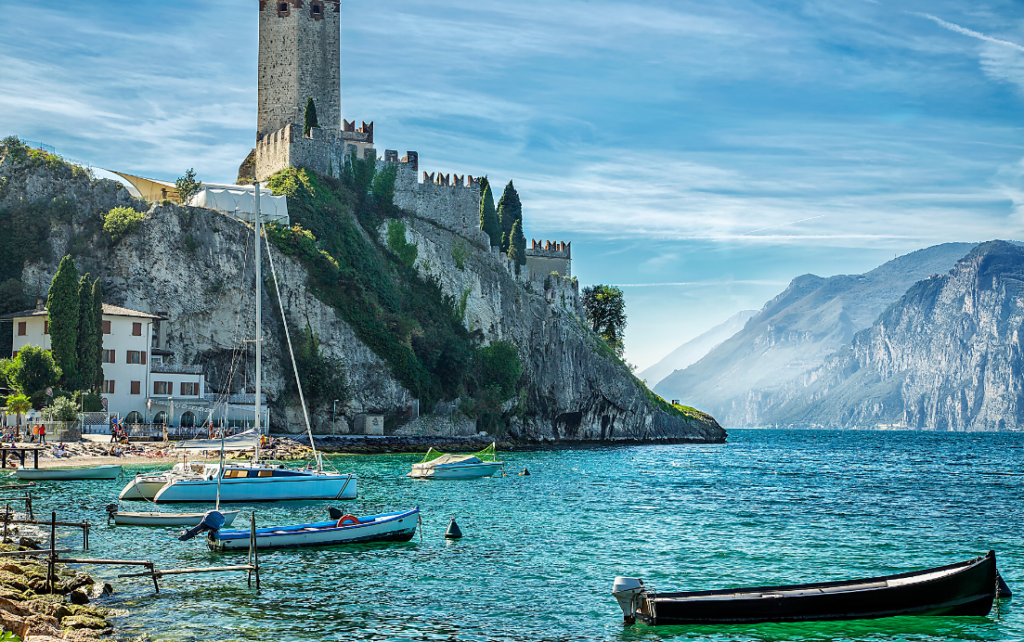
242	441
442	459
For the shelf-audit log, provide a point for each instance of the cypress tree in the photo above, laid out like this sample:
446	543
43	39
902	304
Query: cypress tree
309	118
518	243
489	217
88	337
62	310
510	209
97	317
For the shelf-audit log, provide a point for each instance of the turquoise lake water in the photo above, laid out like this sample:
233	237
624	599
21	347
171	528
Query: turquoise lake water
540	552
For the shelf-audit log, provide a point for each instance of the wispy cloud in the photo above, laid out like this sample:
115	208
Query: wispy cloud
969	32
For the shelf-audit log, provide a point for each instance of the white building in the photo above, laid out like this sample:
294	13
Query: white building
138	386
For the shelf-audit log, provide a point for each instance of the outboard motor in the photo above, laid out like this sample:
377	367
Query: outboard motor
212	521
628	592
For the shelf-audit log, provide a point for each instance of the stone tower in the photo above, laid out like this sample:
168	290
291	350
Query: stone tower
300	58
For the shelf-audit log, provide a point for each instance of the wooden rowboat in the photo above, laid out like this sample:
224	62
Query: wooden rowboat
110	471
965	588
387	527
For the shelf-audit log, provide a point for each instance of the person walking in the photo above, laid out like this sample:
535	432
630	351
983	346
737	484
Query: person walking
42	433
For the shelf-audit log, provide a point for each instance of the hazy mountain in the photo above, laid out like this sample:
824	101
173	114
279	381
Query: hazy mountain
695	348
795	332
946	356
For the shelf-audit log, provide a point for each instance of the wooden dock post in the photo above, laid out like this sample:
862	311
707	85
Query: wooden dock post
254	554
51	573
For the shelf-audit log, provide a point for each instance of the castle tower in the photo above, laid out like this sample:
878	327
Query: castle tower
300	58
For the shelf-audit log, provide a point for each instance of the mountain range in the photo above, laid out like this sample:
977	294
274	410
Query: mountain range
759	375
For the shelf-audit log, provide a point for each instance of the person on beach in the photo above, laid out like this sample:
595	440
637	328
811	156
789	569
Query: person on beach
42	433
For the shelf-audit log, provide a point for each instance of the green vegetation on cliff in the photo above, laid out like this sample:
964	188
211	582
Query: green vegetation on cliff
406	320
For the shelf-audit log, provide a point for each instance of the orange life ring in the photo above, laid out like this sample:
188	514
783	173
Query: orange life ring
347	519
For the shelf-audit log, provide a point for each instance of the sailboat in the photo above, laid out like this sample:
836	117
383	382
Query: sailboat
255	481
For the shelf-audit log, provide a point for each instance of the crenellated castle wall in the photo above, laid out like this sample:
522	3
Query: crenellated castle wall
450	201
323	151
545	257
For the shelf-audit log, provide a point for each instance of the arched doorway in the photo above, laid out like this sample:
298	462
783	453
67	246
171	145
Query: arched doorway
160	418
134	417
188	420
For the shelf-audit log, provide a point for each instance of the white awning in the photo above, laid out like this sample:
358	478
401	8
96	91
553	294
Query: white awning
240	201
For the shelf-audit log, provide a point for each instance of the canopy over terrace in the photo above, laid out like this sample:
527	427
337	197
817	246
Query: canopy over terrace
238	201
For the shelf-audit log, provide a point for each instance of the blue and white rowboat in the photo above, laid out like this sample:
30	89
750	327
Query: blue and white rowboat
387	527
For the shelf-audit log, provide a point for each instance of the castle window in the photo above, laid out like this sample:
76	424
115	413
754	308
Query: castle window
316	9
282	8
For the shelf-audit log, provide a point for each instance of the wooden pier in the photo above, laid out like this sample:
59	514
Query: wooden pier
252	567
19	452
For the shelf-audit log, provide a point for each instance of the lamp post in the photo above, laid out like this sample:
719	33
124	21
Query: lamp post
334	415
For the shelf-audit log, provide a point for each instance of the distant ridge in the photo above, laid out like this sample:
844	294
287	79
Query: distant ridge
795	332
946	356
692	351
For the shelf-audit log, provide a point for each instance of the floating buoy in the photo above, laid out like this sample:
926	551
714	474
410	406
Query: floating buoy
453	532
526	471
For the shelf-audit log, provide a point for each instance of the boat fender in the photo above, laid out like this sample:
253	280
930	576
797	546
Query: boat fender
453	532
347	519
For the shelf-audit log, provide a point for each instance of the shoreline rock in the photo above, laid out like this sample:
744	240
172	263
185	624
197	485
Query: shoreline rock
27	610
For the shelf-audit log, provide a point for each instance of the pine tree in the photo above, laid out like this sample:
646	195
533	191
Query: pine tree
62	310
89	337
488	215
309	120
97	317
510	210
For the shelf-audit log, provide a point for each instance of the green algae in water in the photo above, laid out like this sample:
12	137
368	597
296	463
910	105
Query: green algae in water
540	552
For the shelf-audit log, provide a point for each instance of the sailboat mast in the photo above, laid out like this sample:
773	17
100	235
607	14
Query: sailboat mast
259	323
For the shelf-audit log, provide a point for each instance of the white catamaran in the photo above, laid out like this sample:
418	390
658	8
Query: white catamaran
252	481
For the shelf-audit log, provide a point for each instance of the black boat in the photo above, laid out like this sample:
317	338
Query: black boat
966	588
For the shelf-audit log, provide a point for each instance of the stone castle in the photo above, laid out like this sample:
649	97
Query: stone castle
299	59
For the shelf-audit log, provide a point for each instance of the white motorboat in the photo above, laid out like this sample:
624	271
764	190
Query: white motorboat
387	527
437	465
166	519
110	471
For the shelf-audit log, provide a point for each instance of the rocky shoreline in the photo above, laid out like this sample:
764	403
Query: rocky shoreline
379	444
30	611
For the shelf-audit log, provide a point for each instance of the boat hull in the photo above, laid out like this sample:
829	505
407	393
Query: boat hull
260	489
964	589
470	471
56	474
143	488
389	527
168	519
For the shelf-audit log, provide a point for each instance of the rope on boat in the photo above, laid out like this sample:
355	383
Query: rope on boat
288	337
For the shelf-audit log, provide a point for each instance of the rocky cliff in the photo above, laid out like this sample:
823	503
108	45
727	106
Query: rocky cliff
197	266
794	333
946	356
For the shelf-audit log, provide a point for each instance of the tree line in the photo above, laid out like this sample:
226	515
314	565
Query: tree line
73	367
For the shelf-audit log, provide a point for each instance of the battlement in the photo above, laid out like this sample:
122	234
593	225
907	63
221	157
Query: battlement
323	151
363	135
549	249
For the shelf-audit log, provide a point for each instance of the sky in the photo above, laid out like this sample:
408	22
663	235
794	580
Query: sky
698	155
